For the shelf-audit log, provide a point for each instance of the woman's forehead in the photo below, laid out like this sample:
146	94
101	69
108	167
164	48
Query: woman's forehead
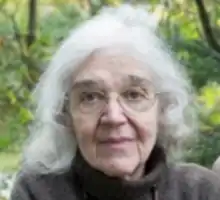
125	79
112	68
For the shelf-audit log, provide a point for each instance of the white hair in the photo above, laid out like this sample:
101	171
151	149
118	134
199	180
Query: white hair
51	147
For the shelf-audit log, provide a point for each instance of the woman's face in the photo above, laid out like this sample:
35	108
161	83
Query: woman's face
115	114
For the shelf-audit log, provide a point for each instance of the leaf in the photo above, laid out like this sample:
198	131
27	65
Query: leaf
5	141
11	97
25	115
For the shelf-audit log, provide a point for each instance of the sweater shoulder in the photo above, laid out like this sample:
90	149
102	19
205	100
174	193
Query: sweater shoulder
203	180
196	173
31	186
30	179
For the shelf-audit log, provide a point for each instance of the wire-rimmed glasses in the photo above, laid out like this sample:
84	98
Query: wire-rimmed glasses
138	98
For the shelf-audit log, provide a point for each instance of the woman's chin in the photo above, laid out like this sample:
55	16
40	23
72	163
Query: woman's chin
119	167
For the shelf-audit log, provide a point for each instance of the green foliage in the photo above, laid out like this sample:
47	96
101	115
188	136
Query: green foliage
60	19
209	100
181	29
20	66
207	148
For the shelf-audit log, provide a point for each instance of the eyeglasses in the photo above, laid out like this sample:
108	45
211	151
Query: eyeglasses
135	98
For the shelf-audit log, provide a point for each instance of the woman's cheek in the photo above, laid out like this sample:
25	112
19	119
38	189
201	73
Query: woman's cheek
146	129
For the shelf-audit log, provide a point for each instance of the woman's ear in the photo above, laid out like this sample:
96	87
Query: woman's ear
65	117
161	113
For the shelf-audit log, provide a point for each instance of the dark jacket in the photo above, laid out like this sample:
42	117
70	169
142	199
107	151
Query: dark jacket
161	182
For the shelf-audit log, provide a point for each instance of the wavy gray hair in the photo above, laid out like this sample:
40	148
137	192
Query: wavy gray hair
51	146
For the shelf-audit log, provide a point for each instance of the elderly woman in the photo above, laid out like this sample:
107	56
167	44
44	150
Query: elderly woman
112	117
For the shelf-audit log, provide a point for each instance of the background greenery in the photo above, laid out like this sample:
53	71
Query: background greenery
27	41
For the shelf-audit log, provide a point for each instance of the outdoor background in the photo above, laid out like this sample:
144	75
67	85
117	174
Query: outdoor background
30	31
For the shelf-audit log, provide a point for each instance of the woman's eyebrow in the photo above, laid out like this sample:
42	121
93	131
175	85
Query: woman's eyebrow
87	83
137	80
90	83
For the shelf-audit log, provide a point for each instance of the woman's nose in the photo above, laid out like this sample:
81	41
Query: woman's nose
113	113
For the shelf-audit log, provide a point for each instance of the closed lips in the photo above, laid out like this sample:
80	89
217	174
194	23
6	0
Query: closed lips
116	140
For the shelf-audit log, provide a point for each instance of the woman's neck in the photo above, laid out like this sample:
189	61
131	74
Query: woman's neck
134	187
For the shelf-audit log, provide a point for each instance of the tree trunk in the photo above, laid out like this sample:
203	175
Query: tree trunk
32	22
205	22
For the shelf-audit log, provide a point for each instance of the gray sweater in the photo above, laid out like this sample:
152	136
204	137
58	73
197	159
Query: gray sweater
161	182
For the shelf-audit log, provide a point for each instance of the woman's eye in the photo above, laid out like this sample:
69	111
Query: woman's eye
133	95
90	97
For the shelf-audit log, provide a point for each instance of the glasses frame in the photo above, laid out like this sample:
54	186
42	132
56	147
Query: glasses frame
155	97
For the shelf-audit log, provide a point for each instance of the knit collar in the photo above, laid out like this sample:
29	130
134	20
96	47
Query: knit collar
100	186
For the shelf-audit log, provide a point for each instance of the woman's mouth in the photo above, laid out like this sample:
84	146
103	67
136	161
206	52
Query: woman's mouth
117	142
